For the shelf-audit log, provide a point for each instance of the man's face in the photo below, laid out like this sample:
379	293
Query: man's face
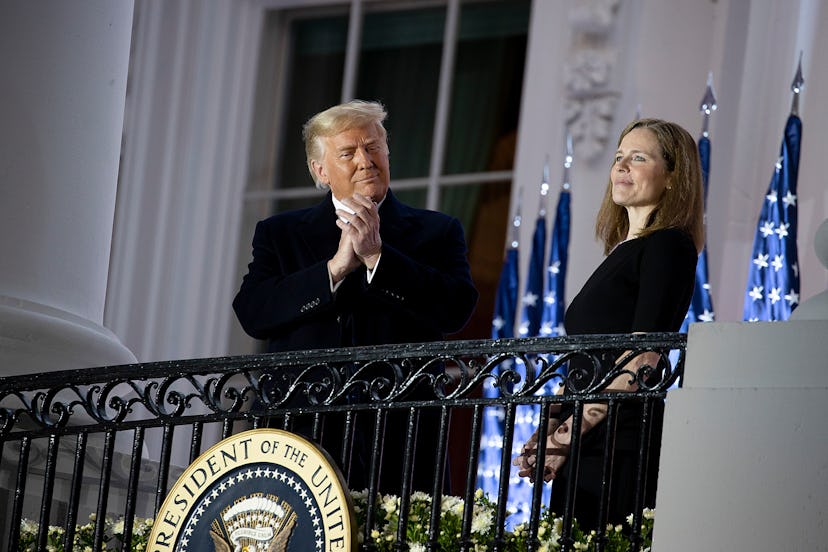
355	161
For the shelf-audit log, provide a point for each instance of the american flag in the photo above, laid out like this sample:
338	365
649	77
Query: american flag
503	322
526	416
532	302
701	306
772	290
543	310
503	326
554	297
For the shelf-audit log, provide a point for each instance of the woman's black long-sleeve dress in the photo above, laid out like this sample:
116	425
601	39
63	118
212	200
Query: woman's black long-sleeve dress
643	285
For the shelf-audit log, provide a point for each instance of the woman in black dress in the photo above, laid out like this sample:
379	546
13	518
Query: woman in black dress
651	224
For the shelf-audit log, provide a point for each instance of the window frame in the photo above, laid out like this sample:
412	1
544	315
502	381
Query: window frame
273	91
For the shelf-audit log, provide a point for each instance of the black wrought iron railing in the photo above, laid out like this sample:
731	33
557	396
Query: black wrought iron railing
112	440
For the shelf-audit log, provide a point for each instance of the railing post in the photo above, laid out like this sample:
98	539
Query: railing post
499	543
19	492
75	490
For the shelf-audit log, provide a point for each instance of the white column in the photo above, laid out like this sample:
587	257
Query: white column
184	169
64	69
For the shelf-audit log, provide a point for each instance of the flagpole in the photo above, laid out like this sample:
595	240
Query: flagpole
796	87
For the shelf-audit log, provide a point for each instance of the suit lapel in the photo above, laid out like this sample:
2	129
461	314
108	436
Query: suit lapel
318	230
396	220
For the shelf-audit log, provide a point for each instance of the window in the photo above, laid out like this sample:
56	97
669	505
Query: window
450	74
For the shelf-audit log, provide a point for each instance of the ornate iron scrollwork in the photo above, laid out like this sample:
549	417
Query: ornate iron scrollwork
267	384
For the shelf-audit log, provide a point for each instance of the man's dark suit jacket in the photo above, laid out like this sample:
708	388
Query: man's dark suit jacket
422	288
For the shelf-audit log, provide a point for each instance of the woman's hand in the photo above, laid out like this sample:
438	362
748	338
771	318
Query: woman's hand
559	434
556	453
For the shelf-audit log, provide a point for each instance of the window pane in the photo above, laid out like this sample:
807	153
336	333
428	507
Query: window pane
314	75
400	66
413	197
483	209
487	84
289	204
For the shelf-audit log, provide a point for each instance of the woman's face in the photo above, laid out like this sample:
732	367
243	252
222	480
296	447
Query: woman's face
639	173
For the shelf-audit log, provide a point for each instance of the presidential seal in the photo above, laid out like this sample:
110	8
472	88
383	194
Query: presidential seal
264	490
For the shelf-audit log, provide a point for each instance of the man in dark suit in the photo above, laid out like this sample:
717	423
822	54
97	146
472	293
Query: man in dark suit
360	268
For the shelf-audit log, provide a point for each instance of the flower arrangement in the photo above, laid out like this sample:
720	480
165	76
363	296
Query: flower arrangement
383	535
113	537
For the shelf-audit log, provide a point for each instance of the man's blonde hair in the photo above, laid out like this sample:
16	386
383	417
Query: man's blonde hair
339	118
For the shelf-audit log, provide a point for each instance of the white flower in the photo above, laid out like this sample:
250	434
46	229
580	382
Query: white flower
481	522
118	527
420	496
416	547
452	504
389	503
558	526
